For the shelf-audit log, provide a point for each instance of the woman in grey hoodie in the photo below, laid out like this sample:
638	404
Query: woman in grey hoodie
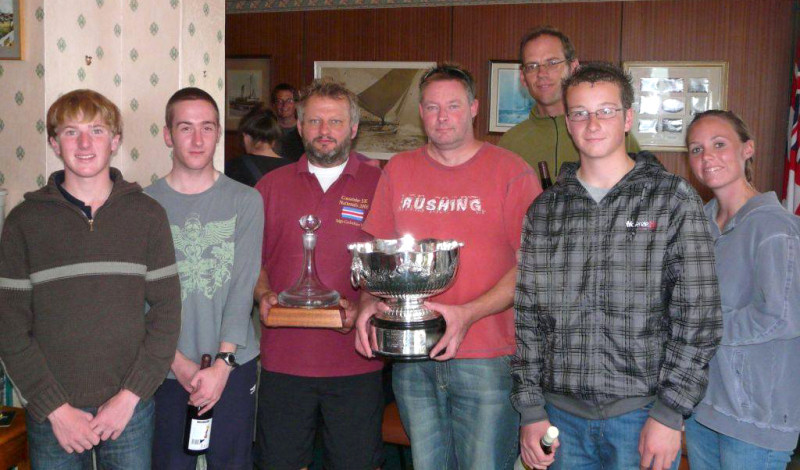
750	416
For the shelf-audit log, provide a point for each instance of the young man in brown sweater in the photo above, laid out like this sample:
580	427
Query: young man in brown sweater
80	261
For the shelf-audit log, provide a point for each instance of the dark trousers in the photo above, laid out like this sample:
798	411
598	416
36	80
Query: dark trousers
231	430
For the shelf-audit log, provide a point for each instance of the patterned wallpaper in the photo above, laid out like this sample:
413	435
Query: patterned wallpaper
22	132
141	52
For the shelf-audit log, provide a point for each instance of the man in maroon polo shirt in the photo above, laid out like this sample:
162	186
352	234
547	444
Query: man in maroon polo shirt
314	377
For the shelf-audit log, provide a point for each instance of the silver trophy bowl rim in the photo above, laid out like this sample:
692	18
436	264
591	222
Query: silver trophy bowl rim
405	244
405	252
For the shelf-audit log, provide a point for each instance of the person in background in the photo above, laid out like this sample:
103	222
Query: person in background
284	98
80	261
617	305
216	227
749	417
260	131
547	57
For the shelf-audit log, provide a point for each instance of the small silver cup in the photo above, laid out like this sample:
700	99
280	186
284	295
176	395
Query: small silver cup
403	273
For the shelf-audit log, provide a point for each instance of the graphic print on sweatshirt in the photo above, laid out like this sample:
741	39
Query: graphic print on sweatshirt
440	204
205	254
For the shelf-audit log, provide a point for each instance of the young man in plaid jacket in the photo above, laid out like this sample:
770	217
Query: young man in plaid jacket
617	306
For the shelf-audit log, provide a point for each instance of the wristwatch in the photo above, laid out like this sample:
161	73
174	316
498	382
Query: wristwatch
228	358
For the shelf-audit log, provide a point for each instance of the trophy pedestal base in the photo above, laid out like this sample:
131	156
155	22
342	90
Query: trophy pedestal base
281	316
408	341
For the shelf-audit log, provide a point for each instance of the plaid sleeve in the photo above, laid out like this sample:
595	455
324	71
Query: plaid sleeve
693	304
526	364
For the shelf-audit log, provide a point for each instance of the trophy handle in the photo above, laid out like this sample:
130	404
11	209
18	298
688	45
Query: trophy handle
355	271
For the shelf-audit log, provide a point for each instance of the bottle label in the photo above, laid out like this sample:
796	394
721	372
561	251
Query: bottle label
199	434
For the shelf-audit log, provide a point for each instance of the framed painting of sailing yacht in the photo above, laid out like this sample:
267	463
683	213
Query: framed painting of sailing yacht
246	87
389	99
509	102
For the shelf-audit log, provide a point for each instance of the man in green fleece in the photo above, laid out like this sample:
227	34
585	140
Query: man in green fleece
547	57
80	261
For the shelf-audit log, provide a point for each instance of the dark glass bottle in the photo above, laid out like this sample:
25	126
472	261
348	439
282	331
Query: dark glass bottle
548	439
547	447
544	175
197	431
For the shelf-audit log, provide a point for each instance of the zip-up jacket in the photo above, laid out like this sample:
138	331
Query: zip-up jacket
73	293
755	374
617	301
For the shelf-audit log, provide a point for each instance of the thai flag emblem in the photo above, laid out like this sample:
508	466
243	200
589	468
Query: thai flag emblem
352	213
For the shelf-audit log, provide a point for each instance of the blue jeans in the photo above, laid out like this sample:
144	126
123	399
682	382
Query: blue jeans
131	450
611	443
457	413
710	450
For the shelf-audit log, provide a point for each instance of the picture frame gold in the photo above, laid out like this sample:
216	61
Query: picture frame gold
11	29
668	94
509	101
247	85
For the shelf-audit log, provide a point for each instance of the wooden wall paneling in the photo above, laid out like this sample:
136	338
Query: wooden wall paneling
277	35
755	38
402	34
492	32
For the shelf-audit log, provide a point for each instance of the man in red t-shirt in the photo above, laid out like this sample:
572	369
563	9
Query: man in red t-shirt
457	187
312	378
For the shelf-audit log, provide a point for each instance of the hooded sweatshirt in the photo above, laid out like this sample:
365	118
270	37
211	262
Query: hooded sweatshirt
755	375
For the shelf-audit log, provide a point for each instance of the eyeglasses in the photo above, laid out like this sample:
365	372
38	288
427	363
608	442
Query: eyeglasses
286	101
534	67
602	113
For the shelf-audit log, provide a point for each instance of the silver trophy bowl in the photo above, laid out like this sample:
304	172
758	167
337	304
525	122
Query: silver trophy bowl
403	273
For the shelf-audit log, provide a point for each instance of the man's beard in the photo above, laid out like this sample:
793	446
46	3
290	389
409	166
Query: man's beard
333	157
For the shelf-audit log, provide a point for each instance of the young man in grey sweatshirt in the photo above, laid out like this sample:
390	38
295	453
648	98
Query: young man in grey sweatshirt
217	227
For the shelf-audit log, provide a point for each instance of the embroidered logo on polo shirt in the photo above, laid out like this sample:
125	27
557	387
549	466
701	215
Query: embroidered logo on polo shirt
353	213
354	209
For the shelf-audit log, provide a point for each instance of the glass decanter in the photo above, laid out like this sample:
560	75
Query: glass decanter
309	291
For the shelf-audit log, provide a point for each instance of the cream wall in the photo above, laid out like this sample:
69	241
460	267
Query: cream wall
142	51
22	133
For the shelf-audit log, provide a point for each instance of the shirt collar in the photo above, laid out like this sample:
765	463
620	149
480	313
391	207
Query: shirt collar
354	160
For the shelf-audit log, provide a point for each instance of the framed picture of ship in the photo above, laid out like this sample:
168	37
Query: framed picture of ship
10	30
247	85
509	101
389	99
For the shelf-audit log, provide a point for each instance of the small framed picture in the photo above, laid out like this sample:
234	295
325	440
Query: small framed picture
247	86
667	95
10	29
509	101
